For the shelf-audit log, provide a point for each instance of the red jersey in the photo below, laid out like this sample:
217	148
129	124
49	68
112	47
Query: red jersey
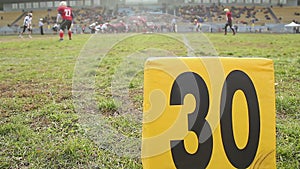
65	12
229	16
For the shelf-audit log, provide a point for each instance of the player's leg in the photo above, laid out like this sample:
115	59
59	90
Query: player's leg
70	34
69	26
61	34
226	25
29	32
24	29
63	26
233	31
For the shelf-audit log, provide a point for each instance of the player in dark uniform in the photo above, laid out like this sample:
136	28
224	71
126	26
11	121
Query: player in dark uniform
228	21
65	13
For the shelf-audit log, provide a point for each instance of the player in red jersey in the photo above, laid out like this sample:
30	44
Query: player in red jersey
65	13
228	21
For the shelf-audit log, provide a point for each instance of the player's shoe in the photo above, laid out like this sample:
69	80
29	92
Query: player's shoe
30	36
61	39
20	36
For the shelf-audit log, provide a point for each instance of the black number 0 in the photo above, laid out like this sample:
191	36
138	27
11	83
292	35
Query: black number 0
238	80
192	83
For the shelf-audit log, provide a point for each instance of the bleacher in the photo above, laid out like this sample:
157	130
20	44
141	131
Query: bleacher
190	12
49	16
88	15
263	16
258	15
6	18
287	14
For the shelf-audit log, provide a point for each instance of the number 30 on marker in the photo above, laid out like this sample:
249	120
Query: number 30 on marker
208	113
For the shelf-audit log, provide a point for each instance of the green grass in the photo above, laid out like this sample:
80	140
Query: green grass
283	49
39	125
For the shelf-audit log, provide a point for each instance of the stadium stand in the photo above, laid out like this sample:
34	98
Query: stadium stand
6	18
259	15
15	18
190	12
249	15
49	16
287	14
89	15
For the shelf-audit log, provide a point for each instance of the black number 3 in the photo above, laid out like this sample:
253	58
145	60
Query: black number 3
192	83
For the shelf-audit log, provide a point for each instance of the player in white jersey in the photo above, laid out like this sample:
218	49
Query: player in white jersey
27	25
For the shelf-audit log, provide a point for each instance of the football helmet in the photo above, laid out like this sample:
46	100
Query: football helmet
63	3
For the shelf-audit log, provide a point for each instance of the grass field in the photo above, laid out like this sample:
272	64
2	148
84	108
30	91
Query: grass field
41	124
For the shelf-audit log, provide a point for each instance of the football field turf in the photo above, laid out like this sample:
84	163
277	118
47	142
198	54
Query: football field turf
41	98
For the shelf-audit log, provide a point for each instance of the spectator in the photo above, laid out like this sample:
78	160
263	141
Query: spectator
174	25
41	25
83	29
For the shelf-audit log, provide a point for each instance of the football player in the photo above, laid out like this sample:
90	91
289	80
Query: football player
66	15
27	25
228	21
